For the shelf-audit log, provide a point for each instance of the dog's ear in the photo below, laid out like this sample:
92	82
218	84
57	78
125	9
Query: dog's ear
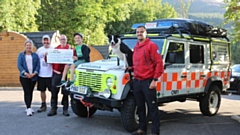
117	36
109	36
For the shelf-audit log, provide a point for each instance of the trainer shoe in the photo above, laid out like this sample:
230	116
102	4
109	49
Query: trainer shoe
43	108
62	83
29	112
52	112
69	83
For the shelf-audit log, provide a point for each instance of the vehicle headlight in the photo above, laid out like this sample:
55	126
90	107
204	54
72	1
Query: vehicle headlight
109	82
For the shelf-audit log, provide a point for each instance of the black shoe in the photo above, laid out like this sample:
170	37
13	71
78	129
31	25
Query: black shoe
139	132
65	112
43	108
52	112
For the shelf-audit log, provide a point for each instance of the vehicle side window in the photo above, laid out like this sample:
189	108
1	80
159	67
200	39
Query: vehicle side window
177	48
219	53
196	54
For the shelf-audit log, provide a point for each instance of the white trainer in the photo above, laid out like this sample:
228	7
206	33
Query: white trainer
29	112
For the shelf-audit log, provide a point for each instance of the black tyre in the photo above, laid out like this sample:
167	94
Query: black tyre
209	104
129	116
79	109
238	90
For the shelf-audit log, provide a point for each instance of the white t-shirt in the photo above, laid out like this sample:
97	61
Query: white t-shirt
29	63
45	68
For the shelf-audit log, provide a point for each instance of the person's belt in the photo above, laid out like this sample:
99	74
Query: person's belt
57	72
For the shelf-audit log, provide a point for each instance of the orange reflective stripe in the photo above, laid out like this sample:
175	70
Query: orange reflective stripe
159	86
179	85
169	86
193	76
222	74
188	84
165	77
197	84
174	76
215	73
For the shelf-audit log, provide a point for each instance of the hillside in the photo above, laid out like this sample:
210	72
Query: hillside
201	6
210	11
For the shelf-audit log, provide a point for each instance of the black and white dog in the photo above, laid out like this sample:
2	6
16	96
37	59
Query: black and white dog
122	51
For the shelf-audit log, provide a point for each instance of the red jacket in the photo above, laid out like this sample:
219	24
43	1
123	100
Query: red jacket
60	67
147	61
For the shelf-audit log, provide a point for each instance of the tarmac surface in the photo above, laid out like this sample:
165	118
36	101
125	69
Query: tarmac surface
176	118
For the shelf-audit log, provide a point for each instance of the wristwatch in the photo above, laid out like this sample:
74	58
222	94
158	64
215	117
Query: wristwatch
155	79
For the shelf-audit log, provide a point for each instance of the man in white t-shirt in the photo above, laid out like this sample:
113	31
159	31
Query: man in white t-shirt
45	73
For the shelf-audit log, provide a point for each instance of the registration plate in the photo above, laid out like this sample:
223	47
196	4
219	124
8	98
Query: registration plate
79	89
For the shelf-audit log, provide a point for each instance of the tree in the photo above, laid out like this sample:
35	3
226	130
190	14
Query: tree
232	16
85	16
141	11
184	7
18	15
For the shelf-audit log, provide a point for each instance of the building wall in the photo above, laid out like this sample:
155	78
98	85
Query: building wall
11	44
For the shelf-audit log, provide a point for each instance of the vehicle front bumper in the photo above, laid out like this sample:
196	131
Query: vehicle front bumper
99	100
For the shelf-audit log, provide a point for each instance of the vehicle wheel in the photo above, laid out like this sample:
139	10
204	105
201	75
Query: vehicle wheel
129	116
238	90
209	104
79	109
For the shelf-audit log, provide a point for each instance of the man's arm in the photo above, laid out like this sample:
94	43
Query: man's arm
157	60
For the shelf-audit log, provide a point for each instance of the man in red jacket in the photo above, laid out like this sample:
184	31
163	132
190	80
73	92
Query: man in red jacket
56	79
147	67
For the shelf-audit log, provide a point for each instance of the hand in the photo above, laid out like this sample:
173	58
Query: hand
75	58
129	69
153	85
28	75
32	75
46	53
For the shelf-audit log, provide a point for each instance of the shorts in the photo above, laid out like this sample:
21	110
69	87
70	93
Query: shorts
44	83
76	63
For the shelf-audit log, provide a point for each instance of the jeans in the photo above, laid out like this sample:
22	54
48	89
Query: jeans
56	79
143	95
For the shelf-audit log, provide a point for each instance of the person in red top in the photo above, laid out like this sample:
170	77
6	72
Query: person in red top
56	79
147	68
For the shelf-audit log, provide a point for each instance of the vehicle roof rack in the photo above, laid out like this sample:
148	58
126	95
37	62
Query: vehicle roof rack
182	26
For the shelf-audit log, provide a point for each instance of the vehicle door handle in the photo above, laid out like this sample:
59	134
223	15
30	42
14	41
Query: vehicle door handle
183	76
203	75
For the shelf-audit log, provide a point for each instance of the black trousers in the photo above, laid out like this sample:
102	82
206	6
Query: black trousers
56	79
28	86
143	95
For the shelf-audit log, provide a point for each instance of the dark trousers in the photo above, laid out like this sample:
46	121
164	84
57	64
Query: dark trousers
56	79
28	86
143	95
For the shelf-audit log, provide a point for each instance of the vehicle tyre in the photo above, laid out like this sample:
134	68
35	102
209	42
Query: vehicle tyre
209	104
79	109
238	90
129	116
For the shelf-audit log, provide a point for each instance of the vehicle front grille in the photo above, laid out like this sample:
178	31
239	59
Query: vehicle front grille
91	80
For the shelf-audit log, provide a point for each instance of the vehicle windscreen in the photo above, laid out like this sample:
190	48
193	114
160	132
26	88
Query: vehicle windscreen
236	68
132	42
